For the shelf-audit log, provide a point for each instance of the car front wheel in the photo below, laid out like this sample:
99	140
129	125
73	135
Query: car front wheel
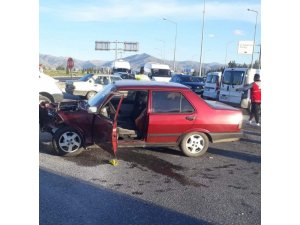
194	144
67	142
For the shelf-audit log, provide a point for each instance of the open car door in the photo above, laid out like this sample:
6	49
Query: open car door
105	124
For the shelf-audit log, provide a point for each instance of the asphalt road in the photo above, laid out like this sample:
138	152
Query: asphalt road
153	185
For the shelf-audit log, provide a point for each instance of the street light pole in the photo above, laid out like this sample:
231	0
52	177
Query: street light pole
164	49
226	52
174	66
251	10
200	66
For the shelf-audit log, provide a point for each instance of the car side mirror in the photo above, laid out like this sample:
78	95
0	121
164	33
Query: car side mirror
92	109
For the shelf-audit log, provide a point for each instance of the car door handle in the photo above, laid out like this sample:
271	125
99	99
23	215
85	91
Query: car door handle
190	118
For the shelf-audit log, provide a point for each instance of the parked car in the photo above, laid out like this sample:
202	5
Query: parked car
193	82
49	90
212	85
90	84
131	113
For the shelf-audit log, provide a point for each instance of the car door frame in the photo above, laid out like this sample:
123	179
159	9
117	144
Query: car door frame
107	142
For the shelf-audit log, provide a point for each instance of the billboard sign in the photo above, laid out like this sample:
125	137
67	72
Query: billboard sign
131	46
102	45
245	47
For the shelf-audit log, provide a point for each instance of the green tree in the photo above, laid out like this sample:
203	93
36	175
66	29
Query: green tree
232	64
256	65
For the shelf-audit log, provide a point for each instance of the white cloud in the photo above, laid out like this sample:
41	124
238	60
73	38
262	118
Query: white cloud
211	35
137	10
238	32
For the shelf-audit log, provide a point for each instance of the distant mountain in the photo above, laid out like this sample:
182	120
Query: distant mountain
54	61
136	61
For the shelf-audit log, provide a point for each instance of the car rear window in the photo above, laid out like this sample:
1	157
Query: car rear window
233	77
170	102
211	79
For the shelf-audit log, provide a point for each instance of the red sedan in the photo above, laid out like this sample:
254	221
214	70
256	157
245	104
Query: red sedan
140	114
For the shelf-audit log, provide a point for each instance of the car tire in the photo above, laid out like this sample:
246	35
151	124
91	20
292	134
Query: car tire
67	141
90	94
194	144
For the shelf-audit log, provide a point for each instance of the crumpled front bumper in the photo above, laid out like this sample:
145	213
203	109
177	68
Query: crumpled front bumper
47	118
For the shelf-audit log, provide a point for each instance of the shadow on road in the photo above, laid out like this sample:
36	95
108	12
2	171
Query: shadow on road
66	200
236	155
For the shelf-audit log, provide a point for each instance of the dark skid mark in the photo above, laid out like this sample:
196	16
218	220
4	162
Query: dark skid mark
225	166
237	187
137	193
96	179
209	176
163	190
157	165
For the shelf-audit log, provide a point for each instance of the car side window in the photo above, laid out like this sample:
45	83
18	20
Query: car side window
170	102
99	80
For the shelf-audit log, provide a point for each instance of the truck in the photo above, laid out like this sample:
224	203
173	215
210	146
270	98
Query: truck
120	65
157	71
234	79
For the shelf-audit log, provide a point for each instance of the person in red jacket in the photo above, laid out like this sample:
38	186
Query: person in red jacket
255	93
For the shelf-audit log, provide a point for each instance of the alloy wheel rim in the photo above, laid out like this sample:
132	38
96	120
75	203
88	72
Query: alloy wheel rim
195	143
69	142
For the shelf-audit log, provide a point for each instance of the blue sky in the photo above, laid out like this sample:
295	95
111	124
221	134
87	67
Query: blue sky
70	28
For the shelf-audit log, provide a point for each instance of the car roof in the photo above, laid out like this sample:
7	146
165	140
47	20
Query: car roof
104	75
148	84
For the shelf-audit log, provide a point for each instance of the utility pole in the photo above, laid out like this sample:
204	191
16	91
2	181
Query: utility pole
200	66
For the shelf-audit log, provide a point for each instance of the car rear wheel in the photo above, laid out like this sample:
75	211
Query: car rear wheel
67	142
90	94
194	144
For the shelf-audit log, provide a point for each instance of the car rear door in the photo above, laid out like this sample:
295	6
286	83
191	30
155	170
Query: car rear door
105	124
171	115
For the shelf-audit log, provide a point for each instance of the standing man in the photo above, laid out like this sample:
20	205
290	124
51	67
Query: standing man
255	92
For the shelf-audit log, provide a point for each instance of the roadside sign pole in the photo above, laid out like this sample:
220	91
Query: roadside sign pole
70	65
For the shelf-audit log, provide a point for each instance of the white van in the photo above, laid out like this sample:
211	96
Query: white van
157	71
233	79
120	65
212	85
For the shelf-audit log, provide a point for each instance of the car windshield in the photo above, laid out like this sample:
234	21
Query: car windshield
197	79
233	77
161	73
85	77
211	79
124	70
100	97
